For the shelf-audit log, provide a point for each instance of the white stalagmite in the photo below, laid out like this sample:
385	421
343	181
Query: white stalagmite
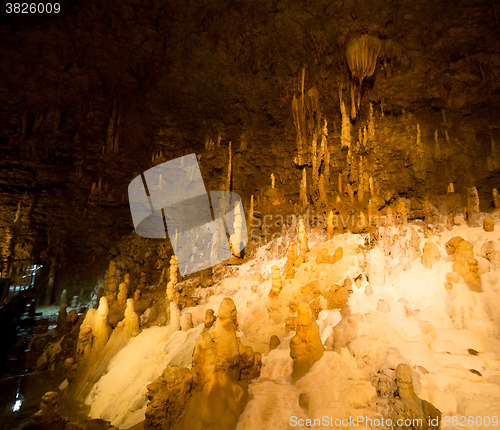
238	227
376	271
172	293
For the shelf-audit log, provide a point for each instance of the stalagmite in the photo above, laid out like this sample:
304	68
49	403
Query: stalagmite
370	212
340	183
464	263
236	237
488	224
123	290
376	270
172	294
451	188
303	246
291	259
402	212
472	201
110	287
305	347
209	318
496	199
273	181
277	282
131	320
389	219
329	224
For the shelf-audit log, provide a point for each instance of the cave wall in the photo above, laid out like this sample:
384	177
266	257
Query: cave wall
105	90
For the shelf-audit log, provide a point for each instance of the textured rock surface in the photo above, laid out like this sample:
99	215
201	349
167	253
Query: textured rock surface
128	86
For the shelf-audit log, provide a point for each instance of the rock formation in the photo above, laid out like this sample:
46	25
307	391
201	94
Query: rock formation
305	347
464	263
277	284
110	287
123	291
430	255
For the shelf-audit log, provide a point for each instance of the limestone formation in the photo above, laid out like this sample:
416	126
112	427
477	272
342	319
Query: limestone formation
305	347
233	358
430	255
172	294
337	256
329	224
274	342
123	291
496	199
186	321
464	263
303	246
337	296
472	201
167	397
209	318
277	284
47	417
407	405
323	257
100	330
110	287
85	342
488	224
290	262
376	268
451	221
401	213
61	319
131	320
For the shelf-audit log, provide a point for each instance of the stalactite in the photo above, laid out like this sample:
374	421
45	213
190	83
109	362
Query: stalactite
229	170
350	192
322	190
496	199
361	191
303	188
371	125
345	138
